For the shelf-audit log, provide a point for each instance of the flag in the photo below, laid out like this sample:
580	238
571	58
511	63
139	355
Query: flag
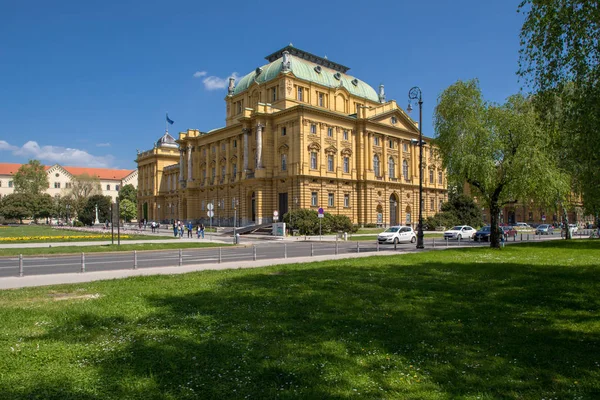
169	120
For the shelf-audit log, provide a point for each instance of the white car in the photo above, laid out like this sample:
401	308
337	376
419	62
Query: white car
397	234
460	232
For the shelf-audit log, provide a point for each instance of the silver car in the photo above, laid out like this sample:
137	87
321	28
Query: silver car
544	229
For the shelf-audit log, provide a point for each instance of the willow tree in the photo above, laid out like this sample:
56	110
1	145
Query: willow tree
560	63
501	151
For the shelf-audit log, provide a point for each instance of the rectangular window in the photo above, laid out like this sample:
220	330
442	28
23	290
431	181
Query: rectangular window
330	132
283	131
440	206
203	205
376	140
346	165
330	163
0	183
214	149
405	147
391	144
321	100
314	199
345	135
300	94
203	175
431	176
238	105
117	187
223	171
313	128
440	177
330	200
222	146
10	184
283	162
68	185
107	187
313	159
56	185
234	172
346	200
274	94
235	144
214	172
432	205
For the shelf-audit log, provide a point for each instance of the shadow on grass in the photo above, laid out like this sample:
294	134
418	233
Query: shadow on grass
393	327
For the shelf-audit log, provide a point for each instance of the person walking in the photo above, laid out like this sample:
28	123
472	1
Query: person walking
202	230
180	229
190	229
174	229
198	231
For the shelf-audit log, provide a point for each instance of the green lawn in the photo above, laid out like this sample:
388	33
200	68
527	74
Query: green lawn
517	323
32	234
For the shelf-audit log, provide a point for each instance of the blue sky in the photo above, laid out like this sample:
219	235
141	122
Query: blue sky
87	83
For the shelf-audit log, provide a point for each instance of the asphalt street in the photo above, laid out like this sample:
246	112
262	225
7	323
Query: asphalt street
76	263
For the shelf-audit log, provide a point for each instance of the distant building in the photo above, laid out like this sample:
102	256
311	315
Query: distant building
299	133
60	178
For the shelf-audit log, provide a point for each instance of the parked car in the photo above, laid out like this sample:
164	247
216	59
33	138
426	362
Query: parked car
483	235
460	232
522	225
509	231
397	234
544	229
573	228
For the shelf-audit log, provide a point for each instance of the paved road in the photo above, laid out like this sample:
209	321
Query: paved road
42	265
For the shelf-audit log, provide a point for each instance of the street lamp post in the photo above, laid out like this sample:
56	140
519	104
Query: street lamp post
415	94
68	209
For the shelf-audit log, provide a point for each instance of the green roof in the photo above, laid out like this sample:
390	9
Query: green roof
305	70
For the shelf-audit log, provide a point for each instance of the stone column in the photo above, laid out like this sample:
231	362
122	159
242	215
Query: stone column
189	163
181	166
246	133
259	129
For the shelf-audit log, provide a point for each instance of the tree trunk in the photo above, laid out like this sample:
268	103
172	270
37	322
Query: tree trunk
566	222
495	235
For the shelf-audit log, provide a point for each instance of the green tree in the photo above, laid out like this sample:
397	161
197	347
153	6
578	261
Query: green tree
82	188
127	209
459	210
560	60
88	213
128	192
17	206
304	220
43	206
31	178
490	146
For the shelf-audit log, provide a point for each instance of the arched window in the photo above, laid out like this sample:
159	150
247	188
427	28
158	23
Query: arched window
405	169
376	164
392	167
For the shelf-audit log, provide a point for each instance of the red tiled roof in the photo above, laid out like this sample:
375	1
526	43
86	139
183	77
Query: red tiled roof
101	173
11	169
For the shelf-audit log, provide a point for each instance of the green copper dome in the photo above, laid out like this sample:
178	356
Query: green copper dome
307	70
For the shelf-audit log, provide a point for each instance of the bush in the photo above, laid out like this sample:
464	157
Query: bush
78	224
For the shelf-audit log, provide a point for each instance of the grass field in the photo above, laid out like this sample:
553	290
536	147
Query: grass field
519	323
43	233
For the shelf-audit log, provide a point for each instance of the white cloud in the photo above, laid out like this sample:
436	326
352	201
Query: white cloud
58	155
215	83
102	144
199	74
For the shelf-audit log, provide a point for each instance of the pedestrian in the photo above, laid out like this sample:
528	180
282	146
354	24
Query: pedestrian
198	231
180	229
202	230
190	229
153	226
174	229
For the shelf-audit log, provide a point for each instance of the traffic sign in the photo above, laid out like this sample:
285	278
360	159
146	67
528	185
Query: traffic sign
543	217
210	206
275	215
321	211
210	213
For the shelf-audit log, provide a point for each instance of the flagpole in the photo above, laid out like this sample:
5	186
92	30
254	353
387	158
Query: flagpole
167	124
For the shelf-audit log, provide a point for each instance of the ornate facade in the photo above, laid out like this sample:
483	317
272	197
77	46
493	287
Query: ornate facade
300	133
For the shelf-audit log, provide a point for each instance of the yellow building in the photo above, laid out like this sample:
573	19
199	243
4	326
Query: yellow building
300	133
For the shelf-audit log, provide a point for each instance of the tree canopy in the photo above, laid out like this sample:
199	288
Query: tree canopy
88	213
17	206
489	147
31	178
127	209
560	61
128	192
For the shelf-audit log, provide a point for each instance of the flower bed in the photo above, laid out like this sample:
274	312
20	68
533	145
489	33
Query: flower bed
57	238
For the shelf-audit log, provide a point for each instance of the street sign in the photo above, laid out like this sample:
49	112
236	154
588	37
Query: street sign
210	207
210	213
321	211
275	215
543	217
